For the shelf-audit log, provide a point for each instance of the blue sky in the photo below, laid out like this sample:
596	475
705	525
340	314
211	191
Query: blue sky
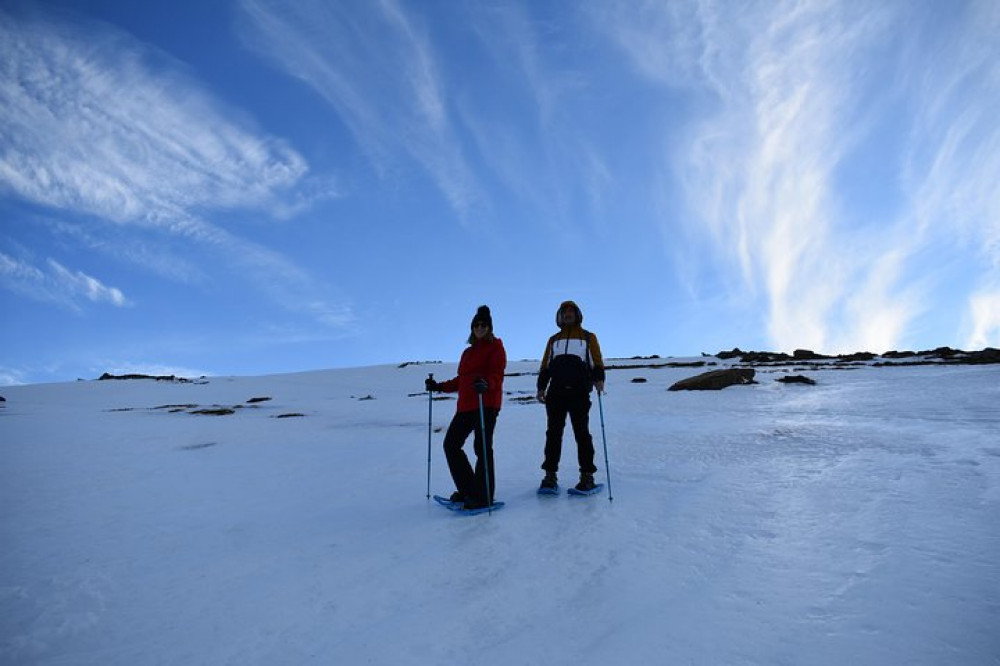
252	186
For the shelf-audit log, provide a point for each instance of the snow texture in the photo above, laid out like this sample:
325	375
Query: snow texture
850	522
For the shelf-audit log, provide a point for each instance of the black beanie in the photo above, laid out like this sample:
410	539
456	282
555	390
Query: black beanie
483	314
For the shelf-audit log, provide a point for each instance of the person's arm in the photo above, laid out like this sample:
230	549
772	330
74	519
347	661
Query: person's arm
597	363
543	372
449	386
498	365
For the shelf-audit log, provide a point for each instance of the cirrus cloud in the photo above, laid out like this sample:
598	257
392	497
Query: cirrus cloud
111	133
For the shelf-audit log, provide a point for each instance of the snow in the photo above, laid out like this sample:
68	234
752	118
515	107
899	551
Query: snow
851	522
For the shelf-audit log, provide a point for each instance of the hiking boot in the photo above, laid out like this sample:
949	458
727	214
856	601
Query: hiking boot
457	497
586	482
550	482
475	504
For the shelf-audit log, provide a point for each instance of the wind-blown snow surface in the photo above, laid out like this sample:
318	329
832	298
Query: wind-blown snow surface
851	522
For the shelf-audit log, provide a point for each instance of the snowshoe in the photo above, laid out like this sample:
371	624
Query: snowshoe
549	485
586	483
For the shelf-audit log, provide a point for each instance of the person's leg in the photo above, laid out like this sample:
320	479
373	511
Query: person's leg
579	414
461	426
555	411
490	416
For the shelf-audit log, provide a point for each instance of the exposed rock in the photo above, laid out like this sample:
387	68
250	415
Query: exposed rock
988	355
406	363
808	355
176	408
941	352
715	380
754	356
214	411
941	355
857	356
796	379
160	378
657	366
765	357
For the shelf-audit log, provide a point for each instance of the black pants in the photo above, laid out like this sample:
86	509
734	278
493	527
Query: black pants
577	407
471	484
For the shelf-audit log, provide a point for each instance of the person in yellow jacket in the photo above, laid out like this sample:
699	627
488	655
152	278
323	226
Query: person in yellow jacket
571	368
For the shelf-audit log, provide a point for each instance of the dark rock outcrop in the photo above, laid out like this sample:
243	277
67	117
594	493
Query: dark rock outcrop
939	356
160	378
857	356
796	379
988	355
715	380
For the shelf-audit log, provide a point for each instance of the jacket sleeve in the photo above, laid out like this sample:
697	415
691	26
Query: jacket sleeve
597	372
544	374
498	365
452	385
449	386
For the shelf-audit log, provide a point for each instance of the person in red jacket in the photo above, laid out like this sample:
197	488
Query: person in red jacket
480	373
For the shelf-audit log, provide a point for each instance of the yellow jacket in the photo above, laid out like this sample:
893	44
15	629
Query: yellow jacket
572	361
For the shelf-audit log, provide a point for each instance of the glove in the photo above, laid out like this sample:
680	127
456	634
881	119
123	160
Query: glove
481	385
431	385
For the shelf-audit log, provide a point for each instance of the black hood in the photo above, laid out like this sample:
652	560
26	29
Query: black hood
569	304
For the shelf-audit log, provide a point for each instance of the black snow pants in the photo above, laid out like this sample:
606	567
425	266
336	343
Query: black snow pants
471	484
577	406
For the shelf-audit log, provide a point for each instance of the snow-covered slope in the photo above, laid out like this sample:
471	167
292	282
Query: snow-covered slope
854	521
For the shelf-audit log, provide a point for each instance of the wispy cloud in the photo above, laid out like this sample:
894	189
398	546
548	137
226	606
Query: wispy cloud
762	174
951	165
85	286
11	377
531	115
56	284
767	168
161	255
375	67
94	123
984	309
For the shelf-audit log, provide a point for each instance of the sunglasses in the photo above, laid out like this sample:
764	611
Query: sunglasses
480	324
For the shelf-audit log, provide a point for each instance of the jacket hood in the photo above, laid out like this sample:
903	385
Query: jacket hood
569	304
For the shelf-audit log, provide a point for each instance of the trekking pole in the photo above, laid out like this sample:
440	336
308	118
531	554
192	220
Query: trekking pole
607	467
430	410
486	456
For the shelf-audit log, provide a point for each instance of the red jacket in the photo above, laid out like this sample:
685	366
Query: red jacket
487	360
